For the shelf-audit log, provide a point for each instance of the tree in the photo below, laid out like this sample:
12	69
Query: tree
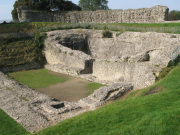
174	15
93	4
47	5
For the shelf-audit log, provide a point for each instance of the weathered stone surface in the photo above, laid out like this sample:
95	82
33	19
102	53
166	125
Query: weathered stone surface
65	51
104	94
131	57
144	15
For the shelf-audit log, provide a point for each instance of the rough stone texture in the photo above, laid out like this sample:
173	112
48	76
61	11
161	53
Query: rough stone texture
144	15
139	74
104	94
134	57
35	111
58	52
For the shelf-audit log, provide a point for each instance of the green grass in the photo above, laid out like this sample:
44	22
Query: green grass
15	52
9	127
49	26
37	78
156	114
26	27
94	86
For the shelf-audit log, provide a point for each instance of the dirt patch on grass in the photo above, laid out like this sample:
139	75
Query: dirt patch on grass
72	90
155	90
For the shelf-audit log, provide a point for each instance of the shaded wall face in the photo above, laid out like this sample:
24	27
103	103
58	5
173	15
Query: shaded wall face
145	15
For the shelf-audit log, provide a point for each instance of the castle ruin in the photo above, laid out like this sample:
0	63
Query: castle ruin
155	14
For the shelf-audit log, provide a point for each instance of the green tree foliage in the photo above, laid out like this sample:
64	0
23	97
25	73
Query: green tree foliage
61	5
93	4
174	15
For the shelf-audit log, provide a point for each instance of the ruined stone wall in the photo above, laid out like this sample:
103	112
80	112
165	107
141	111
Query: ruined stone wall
138	73
133	57
58	51
144	15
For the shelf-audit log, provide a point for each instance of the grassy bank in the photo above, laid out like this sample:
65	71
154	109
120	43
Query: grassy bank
19	51
25	27
142	113
9	127
49	26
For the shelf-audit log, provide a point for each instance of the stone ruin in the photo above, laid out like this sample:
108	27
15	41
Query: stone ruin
35	111
133	57
127	61
155	14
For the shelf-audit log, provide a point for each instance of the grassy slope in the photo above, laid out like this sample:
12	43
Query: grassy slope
25	27
37	78
18	52
9	127
157	114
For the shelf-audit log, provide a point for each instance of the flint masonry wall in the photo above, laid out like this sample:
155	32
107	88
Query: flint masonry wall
138	73
133	57
144	15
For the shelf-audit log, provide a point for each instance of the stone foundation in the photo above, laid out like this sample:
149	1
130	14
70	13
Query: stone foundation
134	57
35	111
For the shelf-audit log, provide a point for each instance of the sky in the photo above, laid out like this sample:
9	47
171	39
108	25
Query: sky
7	5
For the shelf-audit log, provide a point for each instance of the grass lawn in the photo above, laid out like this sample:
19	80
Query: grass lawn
94	86
37	78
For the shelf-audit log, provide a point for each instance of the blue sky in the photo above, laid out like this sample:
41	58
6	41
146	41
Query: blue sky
7	5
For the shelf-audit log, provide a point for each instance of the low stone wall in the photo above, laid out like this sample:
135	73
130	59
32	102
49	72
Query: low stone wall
144	15
35	111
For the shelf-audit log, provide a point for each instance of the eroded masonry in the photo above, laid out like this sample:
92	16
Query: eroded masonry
133	57
155	14
127	61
